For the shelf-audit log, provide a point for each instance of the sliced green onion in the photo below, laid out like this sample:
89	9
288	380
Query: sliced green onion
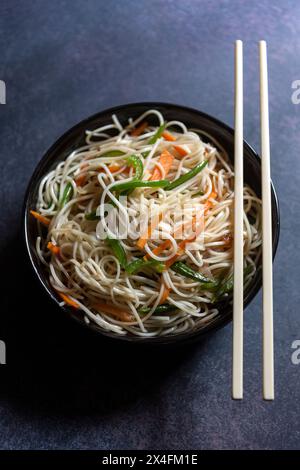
137	164
182	179
163	308
181	268
139	184
226	285
67	195
157	134
118	250
113	153
140	264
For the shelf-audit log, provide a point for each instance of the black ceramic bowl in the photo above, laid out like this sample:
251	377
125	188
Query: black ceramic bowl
74	137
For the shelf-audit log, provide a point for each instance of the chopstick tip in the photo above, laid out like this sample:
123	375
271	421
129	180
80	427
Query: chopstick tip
269	397
237	397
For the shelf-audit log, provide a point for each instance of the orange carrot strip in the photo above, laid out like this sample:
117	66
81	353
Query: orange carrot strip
165	294
80	180
181	248
116	312
166	244
145	237
40	218
140	129
166	159
156	251
68	300
183	243
113	168
180	150
53	248
163	246
167	136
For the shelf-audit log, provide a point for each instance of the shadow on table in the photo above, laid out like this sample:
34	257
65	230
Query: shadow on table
55	366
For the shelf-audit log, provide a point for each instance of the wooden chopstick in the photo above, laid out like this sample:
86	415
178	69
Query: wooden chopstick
268	341
237	366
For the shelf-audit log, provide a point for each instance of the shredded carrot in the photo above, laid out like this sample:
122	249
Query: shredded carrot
68	300
116	312
113	168
53	248
40	218
140	129
183	243
80	180
159	249
167	244
180	150
156	251
166	160
181	247
167	136
170	138
145	237
165	294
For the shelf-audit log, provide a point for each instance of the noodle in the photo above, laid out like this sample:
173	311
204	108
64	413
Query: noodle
90	271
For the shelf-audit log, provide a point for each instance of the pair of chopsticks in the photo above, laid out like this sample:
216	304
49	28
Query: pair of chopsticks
268	348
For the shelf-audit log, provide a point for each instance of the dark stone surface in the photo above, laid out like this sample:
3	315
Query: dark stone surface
62	61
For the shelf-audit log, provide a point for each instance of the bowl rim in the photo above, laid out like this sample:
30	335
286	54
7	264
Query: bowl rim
188	335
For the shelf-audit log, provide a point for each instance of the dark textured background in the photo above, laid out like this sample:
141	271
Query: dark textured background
62	61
